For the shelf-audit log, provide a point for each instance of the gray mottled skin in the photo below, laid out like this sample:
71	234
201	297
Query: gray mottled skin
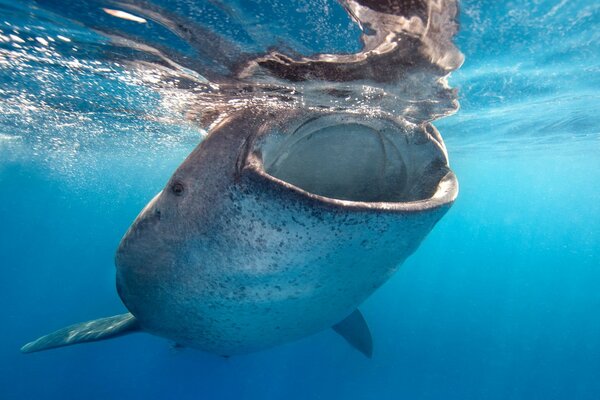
241	261
229	259
282	222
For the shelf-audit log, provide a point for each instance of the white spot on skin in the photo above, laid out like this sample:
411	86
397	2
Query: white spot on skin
64	39
42	41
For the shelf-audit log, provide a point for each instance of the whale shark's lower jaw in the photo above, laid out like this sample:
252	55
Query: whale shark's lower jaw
358	161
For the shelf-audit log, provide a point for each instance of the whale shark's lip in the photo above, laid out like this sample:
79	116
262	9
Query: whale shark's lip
445	194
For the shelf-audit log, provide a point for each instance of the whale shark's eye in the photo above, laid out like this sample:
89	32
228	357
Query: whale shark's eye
177	188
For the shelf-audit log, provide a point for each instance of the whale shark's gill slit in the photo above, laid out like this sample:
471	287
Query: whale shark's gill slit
355	160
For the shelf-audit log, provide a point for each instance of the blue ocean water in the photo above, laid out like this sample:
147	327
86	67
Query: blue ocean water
500	301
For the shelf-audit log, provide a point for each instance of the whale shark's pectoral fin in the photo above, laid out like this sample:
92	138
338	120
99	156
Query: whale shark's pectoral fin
356	332
98	329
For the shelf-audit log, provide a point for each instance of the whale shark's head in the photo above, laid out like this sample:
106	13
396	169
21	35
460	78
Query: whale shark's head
344	158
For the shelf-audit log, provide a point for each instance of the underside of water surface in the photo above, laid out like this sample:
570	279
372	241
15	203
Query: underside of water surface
100	101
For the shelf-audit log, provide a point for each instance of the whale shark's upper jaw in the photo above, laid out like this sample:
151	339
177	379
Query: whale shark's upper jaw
360	162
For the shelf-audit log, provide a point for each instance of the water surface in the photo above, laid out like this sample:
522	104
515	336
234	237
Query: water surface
500	301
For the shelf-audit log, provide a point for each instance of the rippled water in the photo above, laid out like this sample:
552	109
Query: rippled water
195	61
101	100
162	72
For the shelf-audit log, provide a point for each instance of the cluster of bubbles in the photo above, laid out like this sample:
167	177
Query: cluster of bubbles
68	109
89	81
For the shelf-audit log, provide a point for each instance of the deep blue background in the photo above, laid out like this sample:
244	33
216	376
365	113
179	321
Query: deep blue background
500	302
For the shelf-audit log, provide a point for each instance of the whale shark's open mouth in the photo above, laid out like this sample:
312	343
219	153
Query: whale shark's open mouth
349	158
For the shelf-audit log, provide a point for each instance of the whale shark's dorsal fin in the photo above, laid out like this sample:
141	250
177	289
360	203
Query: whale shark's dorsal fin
98	329
356	332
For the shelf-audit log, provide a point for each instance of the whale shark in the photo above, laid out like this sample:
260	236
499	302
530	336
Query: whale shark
284	220
275	228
